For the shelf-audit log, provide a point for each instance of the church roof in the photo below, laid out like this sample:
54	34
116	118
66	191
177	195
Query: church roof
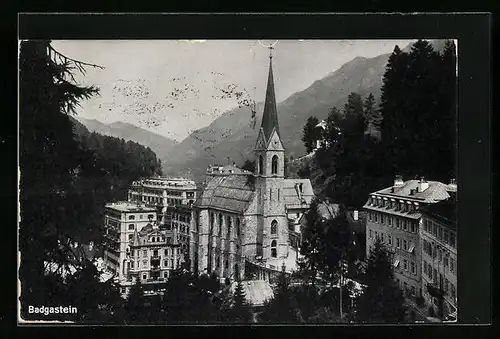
270	115
231	193
293	196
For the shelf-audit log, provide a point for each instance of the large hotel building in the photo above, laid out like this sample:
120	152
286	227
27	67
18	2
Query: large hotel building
395	216
172	198
439	257
138	246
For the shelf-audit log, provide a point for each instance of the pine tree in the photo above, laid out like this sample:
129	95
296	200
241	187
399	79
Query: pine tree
240	310
312	245
382	300
48	157
310	133
282	308
339	246
135	303
372	115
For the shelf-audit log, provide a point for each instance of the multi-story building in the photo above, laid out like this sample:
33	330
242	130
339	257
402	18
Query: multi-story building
137	246
394	216
163	192
439	257
240	221
173	198
151	255
121	220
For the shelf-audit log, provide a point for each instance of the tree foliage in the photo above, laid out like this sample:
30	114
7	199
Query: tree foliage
418	106
310	133
416	122
48	158
282	308
65	181
240	311
382	300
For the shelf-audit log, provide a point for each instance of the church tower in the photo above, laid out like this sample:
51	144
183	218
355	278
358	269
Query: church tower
272	225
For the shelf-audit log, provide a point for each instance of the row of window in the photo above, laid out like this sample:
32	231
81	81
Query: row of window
441	255
399	243
182	218
432	274
393	204
167	252
141	216
144	264
145	276
443	234
393	221
274	165
182	228
411	267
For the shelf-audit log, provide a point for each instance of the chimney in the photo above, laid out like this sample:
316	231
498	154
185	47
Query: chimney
422	184
356	216
452	185
398	181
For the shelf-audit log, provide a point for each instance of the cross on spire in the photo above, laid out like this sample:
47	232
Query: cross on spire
271	52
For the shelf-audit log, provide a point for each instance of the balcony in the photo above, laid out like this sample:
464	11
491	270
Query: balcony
435	291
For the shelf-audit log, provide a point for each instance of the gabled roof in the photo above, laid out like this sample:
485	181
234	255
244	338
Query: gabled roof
270	115
293	197
232	193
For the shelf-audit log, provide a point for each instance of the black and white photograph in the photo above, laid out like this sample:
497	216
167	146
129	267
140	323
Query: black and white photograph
286	181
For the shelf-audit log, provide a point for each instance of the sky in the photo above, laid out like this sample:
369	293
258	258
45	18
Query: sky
173	87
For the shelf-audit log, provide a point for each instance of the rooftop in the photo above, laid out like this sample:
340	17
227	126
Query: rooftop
256	291
130	206
293	195
232	193
445	211
436	191
165	182
226	170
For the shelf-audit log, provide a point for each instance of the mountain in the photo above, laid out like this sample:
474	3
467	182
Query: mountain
159	144
231	137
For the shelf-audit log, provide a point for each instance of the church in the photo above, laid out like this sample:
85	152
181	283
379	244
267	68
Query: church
243	222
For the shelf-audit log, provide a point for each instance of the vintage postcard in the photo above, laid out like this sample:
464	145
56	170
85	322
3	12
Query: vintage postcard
238	181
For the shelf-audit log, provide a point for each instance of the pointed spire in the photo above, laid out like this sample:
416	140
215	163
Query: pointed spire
270	115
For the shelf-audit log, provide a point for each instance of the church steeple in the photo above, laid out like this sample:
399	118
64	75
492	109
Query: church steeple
270	115
269	148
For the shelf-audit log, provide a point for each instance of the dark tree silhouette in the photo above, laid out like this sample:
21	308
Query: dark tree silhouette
135	303
310	133
382	300
282	308
240	310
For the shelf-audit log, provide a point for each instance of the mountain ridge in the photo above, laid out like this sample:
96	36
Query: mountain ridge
161	145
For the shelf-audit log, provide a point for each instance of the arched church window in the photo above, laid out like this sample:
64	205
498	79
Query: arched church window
238	227
275	165
229	225
274	227
220	223
274	253
212	222
261	165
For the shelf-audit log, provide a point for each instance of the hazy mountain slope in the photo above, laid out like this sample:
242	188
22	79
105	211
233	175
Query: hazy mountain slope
159	144
231	137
